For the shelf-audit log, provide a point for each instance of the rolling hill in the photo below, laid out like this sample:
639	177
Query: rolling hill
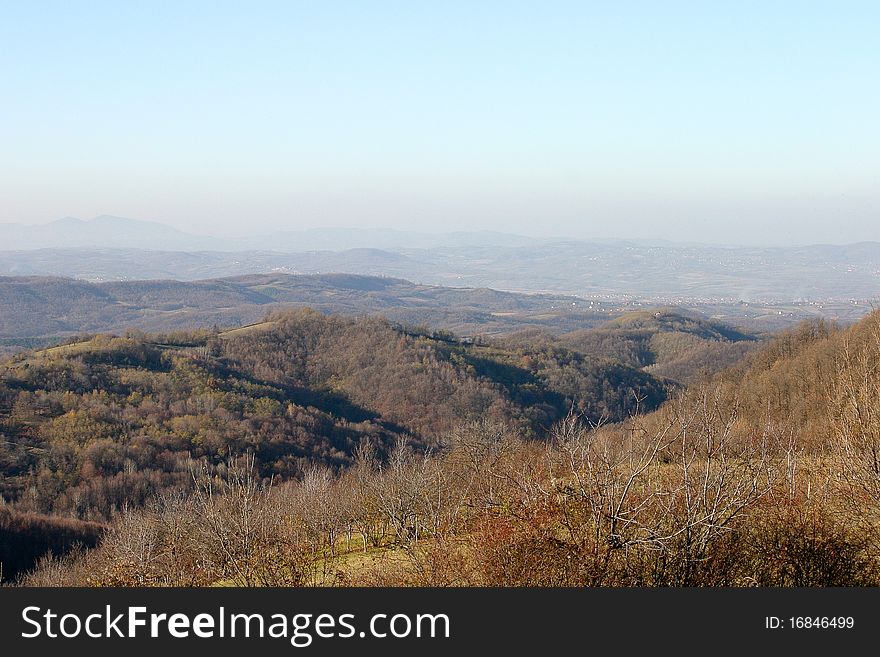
40	307
669	343
90	426
771	286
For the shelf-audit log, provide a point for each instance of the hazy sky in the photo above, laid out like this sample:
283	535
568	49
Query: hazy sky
709	121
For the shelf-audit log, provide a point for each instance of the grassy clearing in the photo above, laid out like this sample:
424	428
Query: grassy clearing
248	329
67	349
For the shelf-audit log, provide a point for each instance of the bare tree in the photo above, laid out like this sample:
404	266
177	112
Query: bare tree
855	407
720	474
320	507
400	491
246	537
670	485
361	482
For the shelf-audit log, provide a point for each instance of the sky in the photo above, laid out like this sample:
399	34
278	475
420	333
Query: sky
727	122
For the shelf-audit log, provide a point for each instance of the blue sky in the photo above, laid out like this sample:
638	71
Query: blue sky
742	122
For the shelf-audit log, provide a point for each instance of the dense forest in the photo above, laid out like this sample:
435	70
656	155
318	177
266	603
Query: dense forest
323	450
98	424
672	344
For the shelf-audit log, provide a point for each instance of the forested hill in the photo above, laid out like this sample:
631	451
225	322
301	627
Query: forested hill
88	427
819	382
43	307
781	448
669	343
811	387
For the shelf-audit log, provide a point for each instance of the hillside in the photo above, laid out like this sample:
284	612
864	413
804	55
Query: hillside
39	307
765	476
93	425
372	454
810	387
817	382
668	343
671	344
25	538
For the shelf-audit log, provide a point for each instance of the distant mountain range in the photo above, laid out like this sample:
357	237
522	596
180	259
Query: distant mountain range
115	249
121	233
102	232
